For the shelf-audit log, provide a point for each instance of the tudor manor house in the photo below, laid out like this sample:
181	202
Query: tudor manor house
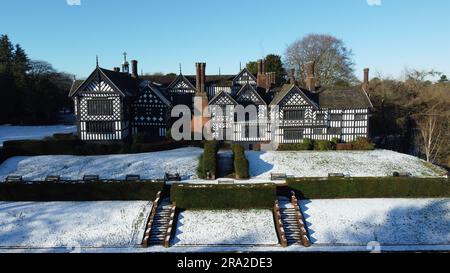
113	105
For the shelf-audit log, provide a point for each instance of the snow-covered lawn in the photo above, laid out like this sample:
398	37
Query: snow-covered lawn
148	165
225	227
386	221
72	224
354	163
8	132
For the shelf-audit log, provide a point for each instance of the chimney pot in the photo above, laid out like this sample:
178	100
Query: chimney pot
116	69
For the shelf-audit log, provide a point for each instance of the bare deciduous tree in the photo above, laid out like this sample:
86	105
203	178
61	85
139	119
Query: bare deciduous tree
333	59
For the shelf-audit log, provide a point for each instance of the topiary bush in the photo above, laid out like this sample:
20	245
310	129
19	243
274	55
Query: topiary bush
207	168
240	162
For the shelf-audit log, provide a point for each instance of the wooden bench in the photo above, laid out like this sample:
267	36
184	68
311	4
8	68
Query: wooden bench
14	178
52	178
278	176
91	178
225	182
336	175
401	174
132	177
172	177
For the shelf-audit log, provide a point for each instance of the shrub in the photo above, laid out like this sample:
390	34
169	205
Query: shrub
307	144
323	145
208	160
92	191
362	143
240	162
344	146
200	169
214	197
370	187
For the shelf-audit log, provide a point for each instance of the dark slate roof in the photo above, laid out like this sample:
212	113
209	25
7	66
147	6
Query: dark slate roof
348	98
166	80
329	98
127	84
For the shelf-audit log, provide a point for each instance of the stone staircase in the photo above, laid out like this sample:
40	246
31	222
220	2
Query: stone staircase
292	221
161	223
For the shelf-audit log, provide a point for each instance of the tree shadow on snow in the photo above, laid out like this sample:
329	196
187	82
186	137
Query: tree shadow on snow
257	166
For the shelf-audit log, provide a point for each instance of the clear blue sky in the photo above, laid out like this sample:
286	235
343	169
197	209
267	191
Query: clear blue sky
161	34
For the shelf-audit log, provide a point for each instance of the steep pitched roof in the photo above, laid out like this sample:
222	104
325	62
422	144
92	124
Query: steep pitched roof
245	70
122	82
222	94
179	78
286	89
75	85
248	87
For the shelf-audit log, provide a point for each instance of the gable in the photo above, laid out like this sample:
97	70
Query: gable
248	95
181	85
244	77
291	95
97	82
151	96
222	99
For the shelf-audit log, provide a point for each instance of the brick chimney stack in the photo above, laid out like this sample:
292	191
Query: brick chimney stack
200	78
260	67
292	76
134	69
366	79
310	77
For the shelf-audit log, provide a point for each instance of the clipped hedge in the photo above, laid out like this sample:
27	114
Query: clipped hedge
240	162
5	154
215	197
306	145
63	146
370	187
208	160
89	191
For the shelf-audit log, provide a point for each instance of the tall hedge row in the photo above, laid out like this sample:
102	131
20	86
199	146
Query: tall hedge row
89	191
370	187
215	197
240	162
55	146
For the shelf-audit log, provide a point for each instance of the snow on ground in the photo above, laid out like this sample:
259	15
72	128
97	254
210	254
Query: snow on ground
385	221
72	224
225	227
8	132
354	163
148	165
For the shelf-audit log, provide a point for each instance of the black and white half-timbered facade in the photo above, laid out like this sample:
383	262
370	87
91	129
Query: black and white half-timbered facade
116	104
